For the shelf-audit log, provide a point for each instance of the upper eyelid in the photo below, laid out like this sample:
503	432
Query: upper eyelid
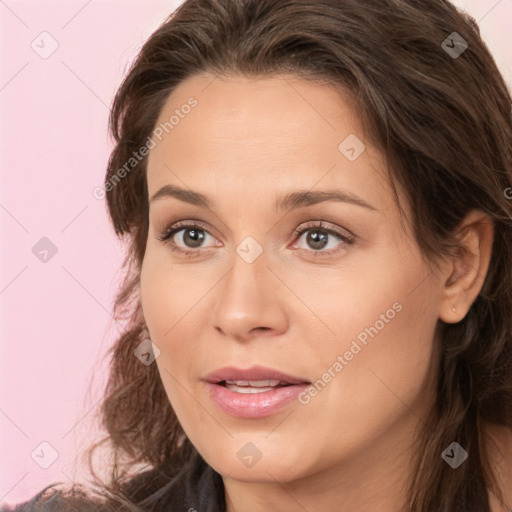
325	225
184	224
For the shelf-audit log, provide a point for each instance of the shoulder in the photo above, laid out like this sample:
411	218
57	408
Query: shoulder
191	485
52	499
187	485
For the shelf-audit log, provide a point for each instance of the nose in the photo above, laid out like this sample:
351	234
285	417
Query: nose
250	301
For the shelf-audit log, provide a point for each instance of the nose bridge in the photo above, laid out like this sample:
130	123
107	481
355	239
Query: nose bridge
247	299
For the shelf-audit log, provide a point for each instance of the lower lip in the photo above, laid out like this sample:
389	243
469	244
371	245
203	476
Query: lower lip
254	405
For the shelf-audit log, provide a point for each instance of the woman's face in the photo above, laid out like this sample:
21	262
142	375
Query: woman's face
349	307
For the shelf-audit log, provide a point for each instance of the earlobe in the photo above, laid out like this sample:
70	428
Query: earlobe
467	267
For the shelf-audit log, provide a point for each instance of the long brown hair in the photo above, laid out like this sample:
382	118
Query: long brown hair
443	122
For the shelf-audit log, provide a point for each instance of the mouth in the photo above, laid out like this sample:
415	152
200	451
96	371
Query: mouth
253	386
254	392
255	376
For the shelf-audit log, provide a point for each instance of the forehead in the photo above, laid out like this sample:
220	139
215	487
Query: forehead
261	133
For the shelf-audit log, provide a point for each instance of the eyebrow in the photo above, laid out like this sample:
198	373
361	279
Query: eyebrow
298	199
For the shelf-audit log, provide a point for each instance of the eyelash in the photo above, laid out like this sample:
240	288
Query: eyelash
168	233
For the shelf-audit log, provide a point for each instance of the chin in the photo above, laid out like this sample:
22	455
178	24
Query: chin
260	473
268	468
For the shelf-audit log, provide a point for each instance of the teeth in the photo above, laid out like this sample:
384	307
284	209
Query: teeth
252	386
248	389
254	383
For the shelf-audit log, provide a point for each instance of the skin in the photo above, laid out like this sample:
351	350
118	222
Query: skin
247	142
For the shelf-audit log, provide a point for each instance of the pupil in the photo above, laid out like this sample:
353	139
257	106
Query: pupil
196	235
317	237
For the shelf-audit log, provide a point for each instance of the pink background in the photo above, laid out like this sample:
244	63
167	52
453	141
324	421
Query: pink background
55	315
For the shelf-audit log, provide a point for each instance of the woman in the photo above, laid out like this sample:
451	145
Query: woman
317	200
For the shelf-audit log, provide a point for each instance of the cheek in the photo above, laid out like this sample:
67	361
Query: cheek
175	302
168	294
166	303
381	359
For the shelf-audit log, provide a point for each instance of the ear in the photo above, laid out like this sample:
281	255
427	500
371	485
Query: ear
465	271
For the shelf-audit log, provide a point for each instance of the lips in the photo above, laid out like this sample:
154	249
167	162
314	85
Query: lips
253	374
254	392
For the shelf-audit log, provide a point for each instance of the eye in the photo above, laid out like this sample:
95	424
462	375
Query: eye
318	235
192	237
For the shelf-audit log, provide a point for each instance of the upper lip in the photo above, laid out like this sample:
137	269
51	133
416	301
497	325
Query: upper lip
253	373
